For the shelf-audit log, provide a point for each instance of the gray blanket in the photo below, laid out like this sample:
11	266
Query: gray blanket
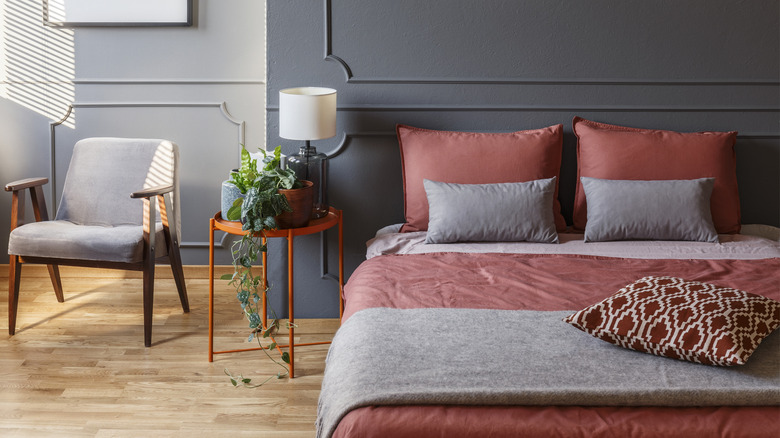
501	357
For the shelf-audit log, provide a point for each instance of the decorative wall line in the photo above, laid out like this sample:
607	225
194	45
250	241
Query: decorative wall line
329	56
749	135
346	138
222	106
561	81
350	78
546	108
178	81
759	136
139	81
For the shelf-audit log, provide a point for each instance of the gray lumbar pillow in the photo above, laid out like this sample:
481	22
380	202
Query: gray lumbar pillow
649	210
502	212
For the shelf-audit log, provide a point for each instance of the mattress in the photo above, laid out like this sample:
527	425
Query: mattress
404	273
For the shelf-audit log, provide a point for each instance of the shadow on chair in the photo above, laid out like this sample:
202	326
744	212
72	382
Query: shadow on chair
107	218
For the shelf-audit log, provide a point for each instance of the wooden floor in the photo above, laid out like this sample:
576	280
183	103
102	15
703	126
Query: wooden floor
79	368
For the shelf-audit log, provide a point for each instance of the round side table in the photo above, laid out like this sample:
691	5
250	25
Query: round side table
333	218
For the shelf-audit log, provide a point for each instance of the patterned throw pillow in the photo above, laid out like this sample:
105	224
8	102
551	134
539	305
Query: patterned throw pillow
681	319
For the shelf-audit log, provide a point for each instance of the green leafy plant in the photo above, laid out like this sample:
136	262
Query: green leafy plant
247	173
257	211
262	201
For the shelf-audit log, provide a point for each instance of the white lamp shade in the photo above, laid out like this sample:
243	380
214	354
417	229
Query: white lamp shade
307	113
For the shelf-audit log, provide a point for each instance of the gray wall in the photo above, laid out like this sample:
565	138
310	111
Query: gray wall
510	65
202	86
460	65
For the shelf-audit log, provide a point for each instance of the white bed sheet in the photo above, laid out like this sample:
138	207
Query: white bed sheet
731	246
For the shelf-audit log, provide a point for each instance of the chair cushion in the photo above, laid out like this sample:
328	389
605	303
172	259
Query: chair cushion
66	240
103	171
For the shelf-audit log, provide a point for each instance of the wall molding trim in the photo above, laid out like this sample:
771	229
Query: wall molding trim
351	79
222	106
346	139
348	136
547	108
558	81
172	81
749	135
139	81
329	56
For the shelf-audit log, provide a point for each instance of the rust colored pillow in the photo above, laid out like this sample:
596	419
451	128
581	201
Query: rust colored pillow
621	153
687	320
475	158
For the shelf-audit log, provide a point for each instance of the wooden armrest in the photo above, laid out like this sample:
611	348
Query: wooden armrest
153	191
25	184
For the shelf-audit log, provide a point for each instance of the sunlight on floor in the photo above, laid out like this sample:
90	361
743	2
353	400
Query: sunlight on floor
38	65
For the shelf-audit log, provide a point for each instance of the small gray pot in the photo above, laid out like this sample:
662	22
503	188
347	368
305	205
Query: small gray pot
229	195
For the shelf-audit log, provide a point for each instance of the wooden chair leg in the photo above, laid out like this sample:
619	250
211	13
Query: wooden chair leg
172	243
56	282
148	301
148	264
14	274
178	276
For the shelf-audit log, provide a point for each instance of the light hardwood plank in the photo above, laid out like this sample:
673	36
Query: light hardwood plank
79	368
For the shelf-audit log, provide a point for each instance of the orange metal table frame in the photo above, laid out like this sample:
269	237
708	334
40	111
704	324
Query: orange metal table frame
334	218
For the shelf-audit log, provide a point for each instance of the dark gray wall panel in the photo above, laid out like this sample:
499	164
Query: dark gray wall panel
512	65
554	40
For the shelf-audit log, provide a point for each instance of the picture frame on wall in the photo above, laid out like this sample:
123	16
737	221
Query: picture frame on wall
78	13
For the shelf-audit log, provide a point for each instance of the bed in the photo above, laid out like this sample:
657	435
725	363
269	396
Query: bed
456	326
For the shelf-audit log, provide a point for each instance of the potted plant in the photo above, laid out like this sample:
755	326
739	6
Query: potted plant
273	197
270	194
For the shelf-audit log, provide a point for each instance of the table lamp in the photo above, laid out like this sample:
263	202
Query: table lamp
309	113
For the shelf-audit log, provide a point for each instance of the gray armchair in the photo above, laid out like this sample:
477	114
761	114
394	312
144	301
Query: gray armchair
111	194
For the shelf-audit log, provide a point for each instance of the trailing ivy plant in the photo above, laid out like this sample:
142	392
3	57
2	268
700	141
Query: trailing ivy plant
262	202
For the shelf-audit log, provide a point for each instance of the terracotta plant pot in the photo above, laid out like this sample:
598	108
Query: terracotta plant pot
301	200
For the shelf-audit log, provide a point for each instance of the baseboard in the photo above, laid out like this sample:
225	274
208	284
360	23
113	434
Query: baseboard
161	271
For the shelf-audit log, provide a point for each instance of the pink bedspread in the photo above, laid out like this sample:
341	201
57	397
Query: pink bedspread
543	282
532	281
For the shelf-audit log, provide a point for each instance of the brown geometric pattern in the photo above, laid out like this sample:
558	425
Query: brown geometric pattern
681	319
